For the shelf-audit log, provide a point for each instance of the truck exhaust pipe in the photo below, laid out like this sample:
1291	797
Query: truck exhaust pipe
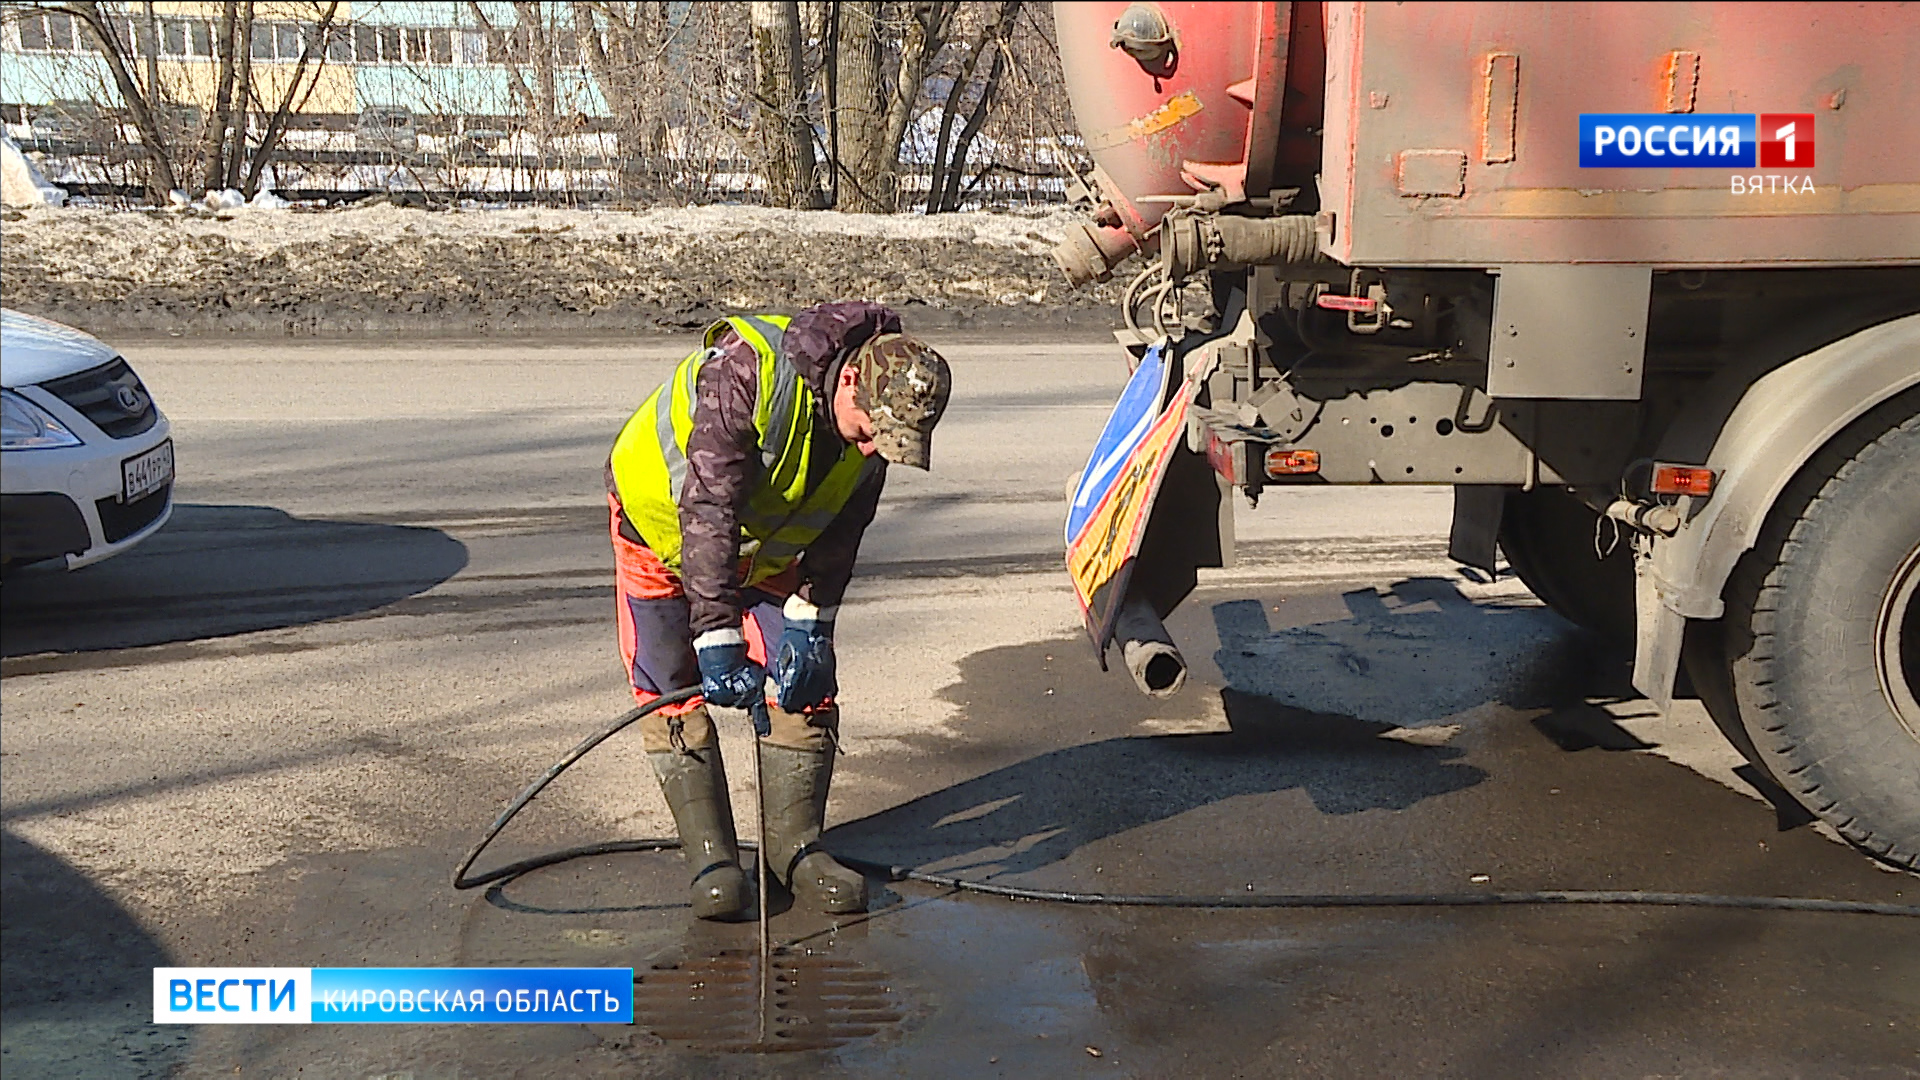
1148	650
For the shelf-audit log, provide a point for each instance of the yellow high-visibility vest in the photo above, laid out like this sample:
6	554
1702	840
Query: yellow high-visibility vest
787	508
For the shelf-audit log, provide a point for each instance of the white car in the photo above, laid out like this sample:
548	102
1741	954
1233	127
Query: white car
86	458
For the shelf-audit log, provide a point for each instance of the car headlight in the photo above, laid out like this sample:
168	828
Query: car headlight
26	426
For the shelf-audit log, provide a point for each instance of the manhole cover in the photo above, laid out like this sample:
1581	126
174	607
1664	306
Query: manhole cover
814	1002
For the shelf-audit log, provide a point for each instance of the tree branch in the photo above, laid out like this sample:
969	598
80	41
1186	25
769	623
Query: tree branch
222	119
277	124
160	180
950	199
498	45
243	90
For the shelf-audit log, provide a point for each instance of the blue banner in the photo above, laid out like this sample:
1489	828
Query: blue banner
1667	140
498	995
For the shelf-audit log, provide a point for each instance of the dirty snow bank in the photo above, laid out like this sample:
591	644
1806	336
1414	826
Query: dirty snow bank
387	269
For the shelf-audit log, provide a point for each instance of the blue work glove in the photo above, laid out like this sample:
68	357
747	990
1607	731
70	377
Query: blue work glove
803	664
728	678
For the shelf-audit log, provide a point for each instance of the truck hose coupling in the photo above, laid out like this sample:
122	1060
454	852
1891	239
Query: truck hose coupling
1191	242
1090	251
1647	517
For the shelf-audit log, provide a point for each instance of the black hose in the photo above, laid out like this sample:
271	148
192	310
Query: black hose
1058	896
461	881
1337	900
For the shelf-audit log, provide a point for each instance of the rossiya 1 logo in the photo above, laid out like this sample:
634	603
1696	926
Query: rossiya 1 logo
1704	141
1786	140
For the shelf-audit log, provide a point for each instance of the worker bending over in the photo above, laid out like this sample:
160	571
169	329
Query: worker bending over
739	494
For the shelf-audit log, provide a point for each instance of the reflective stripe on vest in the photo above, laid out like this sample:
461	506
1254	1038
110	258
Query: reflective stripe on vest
781	516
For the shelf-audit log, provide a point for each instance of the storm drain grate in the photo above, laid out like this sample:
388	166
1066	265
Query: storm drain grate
815	1002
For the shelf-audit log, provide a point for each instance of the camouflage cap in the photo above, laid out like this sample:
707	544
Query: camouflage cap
903	386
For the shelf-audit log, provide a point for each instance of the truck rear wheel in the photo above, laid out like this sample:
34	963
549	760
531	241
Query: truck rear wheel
1823	635
1548	537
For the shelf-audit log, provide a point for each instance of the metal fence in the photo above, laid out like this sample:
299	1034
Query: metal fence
441	160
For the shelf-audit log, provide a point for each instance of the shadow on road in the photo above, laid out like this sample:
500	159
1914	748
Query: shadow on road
219	570
77	985
1040	811
1331	710
1419	653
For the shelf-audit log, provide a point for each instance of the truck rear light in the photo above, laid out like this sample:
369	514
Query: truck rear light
1366	305
1292	462
1682	480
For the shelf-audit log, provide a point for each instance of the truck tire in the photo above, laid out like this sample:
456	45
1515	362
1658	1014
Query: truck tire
1823	635
1703	661
1548	537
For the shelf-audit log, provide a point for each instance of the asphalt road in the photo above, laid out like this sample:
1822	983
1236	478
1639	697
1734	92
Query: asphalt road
383	605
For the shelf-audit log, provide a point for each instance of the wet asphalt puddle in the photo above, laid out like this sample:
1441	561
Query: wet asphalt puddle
1376	741
1388	741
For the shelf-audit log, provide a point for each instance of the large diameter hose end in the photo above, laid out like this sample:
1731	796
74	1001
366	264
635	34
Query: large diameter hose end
1090	252
1148	650
1193	242
1157	667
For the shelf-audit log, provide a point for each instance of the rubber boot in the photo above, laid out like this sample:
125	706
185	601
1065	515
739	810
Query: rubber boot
796	783
695	785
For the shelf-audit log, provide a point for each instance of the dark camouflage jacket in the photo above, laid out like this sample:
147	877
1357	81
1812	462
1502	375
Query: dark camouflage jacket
723	461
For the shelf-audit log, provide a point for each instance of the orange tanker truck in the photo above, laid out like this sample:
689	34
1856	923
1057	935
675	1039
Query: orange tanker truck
1641	281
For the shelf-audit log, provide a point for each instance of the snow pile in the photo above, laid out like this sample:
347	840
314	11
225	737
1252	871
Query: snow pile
265	199
231	199
386	268
20	181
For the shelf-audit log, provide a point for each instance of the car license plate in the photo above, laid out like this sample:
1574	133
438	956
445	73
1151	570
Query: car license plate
147	473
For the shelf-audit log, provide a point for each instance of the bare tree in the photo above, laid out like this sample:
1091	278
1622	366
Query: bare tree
149	34
625	45
783	132
313	50
530	45
1035	144
531	20
214	148
223	154
835	106
682	90
950	157
716	68
243	86
139	104
877	40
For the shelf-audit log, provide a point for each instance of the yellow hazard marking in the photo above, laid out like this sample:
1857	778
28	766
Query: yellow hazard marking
1177	108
